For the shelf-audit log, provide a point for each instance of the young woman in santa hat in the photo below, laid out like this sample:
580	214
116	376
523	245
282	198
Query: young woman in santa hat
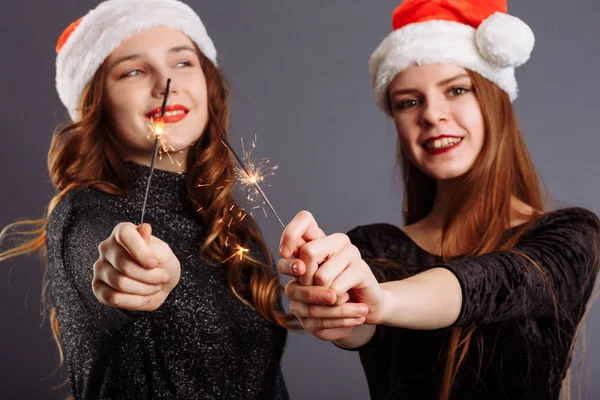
166	309
481	293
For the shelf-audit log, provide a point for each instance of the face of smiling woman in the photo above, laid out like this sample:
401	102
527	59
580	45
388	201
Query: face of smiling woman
438	118
136	76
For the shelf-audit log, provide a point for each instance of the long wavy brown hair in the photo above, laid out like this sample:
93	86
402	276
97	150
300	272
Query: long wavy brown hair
476	224
85	153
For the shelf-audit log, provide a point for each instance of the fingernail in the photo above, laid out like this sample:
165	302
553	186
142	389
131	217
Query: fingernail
157	288
360	320
165	277
152	263
295	268
284	251
327	298
361	309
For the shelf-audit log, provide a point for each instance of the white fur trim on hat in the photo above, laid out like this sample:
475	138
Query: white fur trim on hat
433	42
105	27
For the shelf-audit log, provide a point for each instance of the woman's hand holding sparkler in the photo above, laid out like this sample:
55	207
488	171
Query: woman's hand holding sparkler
135	270
329	272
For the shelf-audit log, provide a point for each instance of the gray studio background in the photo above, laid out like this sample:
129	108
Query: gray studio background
300	81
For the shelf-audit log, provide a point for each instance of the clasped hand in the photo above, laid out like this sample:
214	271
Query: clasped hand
333	289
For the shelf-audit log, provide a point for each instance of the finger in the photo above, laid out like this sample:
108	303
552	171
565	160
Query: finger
127	235
118	259
110	297
302	227
332	323
319	250
333	334
309	294
291	267
145	231
356	275
123	284
348	310
342	299
314	325
335	264
162	251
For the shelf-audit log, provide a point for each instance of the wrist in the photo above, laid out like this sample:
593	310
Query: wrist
389	304
361	335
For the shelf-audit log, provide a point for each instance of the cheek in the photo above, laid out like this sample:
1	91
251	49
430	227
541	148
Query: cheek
477	131
120	102
201	96
473	121
407	135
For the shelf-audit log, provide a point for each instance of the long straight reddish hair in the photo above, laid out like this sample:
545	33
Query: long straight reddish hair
477	224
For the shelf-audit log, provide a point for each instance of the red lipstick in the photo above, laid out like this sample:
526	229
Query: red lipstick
155	113
435	152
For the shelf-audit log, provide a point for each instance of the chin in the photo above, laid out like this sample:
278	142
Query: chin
447	174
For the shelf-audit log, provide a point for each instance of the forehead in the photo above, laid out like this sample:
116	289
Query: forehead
426	74
155	38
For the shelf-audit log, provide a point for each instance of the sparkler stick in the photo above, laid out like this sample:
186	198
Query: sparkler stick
158	130
252	179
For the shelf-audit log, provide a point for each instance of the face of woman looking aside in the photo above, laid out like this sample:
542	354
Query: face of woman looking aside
136	76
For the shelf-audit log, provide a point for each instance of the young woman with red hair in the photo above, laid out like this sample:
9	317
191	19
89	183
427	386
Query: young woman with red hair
165	309
481	293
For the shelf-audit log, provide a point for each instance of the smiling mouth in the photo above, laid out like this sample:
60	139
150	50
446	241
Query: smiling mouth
168	114
442	143
174	112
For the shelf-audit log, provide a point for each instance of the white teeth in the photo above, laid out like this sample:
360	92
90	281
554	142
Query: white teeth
169	114
442	143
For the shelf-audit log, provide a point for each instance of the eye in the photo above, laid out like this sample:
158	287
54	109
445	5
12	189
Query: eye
183	64
457	91
405	104
133	72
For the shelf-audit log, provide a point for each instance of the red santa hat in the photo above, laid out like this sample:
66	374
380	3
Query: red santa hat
85	44
476	34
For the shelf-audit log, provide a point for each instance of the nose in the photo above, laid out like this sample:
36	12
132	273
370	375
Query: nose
435	111
160	85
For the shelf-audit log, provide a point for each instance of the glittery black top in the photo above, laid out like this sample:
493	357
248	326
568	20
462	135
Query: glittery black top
202	343
526	339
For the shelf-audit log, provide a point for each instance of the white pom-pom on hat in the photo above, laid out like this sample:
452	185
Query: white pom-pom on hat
504	40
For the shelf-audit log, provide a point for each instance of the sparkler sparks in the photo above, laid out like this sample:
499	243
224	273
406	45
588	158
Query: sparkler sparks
251	173
158	130
239	252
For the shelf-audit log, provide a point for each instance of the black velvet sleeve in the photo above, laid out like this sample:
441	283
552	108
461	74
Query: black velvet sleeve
550	273
388	254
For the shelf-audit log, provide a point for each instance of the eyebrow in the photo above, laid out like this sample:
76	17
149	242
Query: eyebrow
131	57
440	83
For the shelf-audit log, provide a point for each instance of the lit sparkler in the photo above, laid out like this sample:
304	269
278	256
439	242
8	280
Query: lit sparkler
252	177
255	172
158	129
239	252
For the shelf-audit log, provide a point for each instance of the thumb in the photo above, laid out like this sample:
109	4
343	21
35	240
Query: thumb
145	231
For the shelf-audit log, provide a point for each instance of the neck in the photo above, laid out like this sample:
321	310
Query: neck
444	192
445	189
171	162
